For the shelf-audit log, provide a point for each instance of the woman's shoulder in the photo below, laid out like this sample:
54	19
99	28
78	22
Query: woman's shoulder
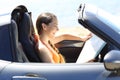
43	50
40	45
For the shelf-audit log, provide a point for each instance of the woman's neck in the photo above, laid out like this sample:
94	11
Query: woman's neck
44	38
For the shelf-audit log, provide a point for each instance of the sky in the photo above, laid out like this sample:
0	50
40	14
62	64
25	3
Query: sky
65	10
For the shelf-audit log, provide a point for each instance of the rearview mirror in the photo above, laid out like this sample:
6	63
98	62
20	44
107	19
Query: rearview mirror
112	61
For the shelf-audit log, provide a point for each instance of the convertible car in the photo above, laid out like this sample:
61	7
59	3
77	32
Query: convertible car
96	59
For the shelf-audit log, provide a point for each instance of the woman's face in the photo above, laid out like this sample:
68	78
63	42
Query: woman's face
52	28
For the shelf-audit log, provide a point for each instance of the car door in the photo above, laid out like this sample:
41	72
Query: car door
3	64
70	71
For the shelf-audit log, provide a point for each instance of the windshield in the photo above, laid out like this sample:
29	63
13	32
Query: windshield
111	20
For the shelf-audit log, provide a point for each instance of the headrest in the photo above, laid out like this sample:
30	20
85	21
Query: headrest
18	12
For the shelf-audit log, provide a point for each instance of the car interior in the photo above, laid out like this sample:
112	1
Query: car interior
16	39
25	34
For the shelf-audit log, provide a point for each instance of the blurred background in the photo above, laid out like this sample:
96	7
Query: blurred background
65	10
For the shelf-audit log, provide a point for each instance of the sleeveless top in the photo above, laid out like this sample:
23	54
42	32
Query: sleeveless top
58	58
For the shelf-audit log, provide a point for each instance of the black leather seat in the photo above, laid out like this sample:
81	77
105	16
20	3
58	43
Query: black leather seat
25	31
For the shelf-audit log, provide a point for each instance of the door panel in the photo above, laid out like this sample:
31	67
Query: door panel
68	71
27	78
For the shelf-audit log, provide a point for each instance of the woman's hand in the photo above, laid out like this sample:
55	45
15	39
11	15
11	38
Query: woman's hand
86	37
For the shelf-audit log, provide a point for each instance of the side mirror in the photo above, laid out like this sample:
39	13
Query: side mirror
112	60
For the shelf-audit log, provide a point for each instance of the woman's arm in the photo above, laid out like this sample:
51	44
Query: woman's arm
71	37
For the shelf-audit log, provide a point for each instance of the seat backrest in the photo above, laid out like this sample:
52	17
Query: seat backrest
9	41
25	31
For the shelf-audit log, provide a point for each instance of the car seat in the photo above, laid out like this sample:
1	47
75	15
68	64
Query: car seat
25	30
9	45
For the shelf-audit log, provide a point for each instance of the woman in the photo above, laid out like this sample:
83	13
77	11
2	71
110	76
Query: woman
47	26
